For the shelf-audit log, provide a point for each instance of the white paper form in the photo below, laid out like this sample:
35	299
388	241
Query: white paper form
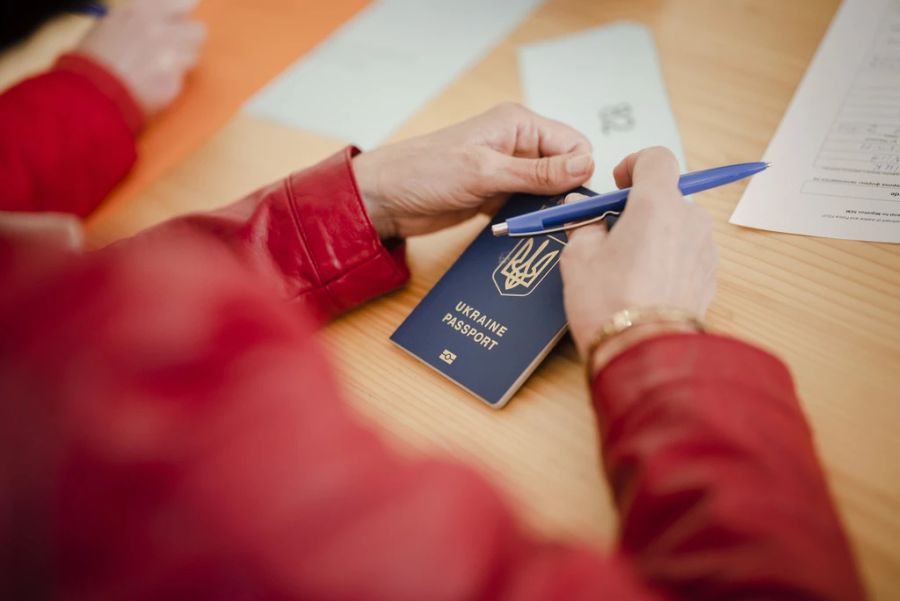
368	78
606	83
836	154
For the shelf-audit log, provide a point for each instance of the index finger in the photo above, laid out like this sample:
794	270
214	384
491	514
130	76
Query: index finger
622	171
594	233
539	136
555	137
652	173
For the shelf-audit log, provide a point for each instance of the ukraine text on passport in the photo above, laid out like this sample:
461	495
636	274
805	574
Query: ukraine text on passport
475	325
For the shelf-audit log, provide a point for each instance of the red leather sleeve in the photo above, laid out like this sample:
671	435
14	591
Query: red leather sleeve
715	475
65	139
109	84
309	234
168	429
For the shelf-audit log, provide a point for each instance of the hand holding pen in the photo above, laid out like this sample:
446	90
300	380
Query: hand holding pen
660	254
596	208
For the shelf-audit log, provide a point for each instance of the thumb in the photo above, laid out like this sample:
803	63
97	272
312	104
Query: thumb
545	175
591	235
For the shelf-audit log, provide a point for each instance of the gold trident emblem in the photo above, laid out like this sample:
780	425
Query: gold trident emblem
524	266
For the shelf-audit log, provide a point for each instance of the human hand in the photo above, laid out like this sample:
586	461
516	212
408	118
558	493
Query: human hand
427	183
660	253
149	45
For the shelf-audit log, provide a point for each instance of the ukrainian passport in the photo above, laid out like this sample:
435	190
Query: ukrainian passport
496	313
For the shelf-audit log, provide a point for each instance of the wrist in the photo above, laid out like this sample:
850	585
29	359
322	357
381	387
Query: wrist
618	345
632	326
367	180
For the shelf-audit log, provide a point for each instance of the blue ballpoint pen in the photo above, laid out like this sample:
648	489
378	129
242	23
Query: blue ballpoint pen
595	208
94	9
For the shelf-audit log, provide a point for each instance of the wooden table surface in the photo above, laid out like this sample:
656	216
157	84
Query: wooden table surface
830	308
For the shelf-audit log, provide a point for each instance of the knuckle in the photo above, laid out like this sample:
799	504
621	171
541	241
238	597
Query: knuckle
543	174
657	159
659	153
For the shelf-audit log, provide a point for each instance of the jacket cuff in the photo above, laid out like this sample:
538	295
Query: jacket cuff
699	358
108	84
350	261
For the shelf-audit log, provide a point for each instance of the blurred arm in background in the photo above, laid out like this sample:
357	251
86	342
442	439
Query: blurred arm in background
67	136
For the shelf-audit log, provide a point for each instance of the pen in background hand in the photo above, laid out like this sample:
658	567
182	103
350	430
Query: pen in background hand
94	9
595	208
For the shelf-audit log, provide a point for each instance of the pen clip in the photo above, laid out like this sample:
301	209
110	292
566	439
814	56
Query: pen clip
569	226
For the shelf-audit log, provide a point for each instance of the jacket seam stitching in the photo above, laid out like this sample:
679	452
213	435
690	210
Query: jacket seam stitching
349	271
300	232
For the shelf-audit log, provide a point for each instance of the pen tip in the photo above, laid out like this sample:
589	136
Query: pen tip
500	229
768	165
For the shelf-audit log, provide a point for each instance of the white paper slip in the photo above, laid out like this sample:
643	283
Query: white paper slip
369	77
606	83
836	154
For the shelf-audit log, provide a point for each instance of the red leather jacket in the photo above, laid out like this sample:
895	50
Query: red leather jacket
66	138
169	429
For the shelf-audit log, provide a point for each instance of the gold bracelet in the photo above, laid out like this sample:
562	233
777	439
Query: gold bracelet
626	319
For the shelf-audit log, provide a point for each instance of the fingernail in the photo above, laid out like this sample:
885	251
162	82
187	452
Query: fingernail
579	165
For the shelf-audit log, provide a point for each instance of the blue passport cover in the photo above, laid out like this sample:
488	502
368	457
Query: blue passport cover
496	313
